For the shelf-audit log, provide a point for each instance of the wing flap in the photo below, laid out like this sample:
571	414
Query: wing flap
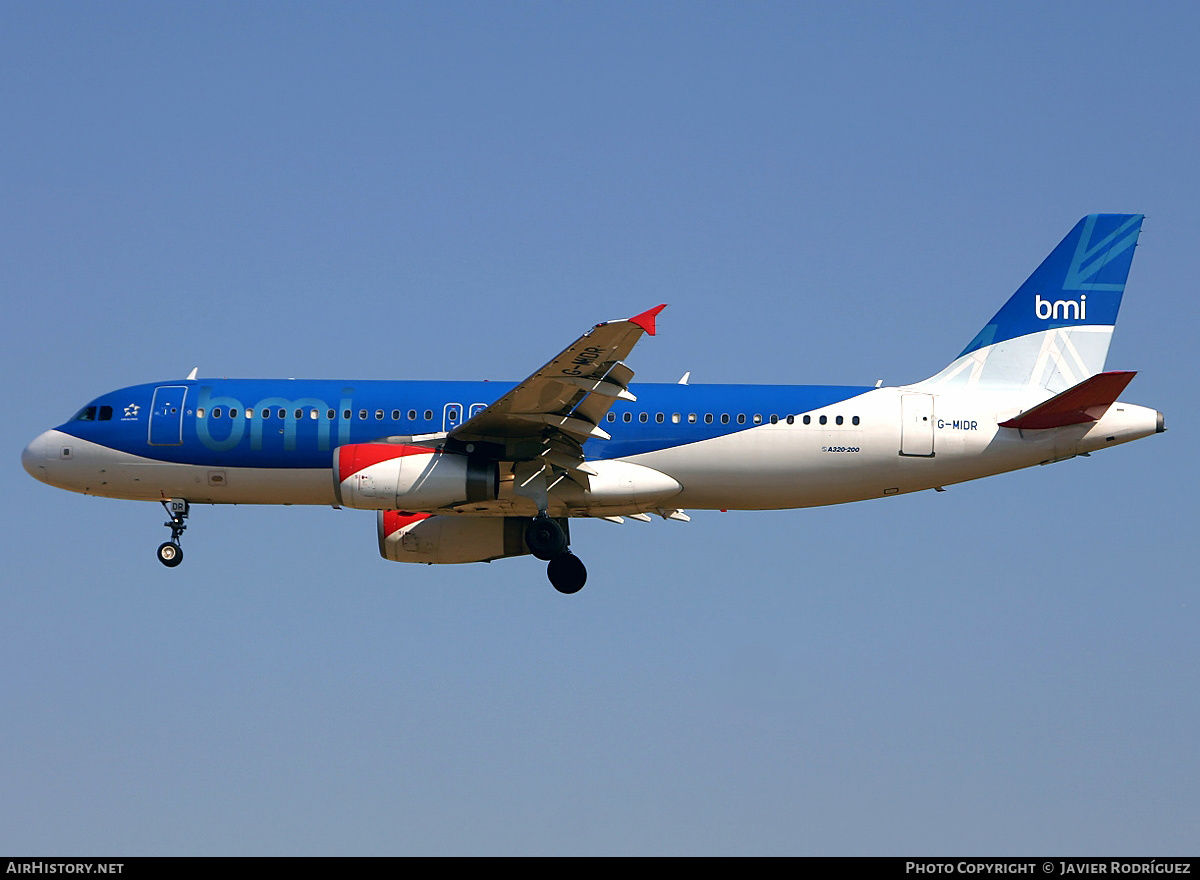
1086	402
581	429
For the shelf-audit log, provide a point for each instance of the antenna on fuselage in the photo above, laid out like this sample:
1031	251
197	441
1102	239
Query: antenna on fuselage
192	374
685	378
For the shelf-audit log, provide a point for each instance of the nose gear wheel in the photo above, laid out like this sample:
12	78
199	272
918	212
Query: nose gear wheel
170	553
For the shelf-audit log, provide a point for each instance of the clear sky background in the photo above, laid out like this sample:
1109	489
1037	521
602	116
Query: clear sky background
824	193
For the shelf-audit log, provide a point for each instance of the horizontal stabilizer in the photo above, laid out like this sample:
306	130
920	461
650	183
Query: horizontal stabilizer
1086	402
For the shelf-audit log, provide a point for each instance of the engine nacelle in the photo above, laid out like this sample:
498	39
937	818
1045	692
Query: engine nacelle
387	476
424	537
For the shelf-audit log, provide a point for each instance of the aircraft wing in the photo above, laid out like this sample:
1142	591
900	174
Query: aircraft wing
559	408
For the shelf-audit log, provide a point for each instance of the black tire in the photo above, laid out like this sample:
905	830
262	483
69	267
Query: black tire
567	573
170	554
544	538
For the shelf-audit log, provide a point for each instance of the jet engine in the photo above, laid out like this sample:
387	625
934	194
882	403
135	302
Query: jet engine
423	537
387	476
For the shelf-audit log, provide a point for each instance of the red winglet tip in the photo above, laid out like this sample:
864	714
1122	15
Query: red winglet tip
646	319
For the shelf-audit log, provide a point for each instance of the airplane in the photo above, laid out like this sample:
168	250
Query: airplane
463	472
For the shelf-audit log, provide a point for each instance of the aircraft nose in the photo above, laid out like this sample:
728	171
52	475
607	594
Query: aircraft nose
33	456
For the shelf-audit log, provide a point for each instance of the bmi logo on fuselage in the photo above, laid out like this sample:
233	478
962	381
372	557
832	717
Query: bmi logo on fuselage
1060	309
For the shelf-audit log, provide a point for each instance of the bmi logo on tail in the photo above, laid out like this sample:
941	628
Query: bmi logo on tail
1064	309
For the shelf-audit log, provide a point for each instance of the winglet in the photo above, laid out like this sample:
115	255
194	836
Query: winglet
1086	402
646	319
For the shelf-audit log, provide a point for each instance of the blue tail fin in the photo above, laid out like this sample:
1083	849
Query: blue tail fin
1055	330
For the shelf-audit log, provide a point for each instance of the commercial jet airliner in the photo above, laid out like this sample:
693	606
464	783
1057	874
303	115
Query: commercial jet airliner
477	471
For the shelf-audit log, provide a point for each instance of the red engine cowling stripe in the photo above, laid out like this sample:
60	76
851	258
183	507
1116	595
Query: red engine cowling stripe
354	457
395	520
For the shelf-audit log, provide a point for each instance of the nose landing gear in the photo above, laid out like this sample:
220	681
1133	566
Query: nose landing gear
170	553
547	540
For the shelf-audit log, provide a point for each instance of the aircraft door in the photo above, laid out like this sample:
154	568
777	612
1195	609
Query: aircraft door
166	415
916	425
452	416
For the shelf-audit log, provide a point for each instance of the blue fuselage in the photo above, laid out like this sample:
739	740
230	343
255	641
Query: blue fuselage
294	423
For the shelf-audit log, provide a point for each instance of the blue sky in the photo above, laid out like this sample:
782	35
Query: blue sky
824	193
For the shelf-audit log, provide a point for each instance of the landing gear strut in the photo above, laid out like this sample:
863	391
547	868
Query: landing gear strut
547	540
170	553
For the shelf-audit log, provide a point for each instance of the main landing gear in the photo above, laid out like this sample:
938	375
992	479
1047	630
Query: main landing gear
170	553
547	540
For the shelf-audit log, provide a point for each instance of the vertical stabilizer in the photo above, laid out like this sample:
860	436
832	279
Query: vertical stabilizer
1054	332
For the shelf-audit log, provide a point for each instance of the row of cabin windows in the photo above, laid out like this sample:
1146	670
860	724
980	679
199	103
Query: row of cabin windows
313	413
725	418
105	412
824	420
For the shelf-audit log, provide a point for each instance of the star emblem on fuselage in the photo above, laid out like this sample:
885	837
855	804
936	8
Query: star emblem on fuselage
131	410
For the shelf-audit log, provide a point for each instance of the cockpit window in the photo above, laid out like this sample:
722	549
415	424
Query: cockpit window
94	414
